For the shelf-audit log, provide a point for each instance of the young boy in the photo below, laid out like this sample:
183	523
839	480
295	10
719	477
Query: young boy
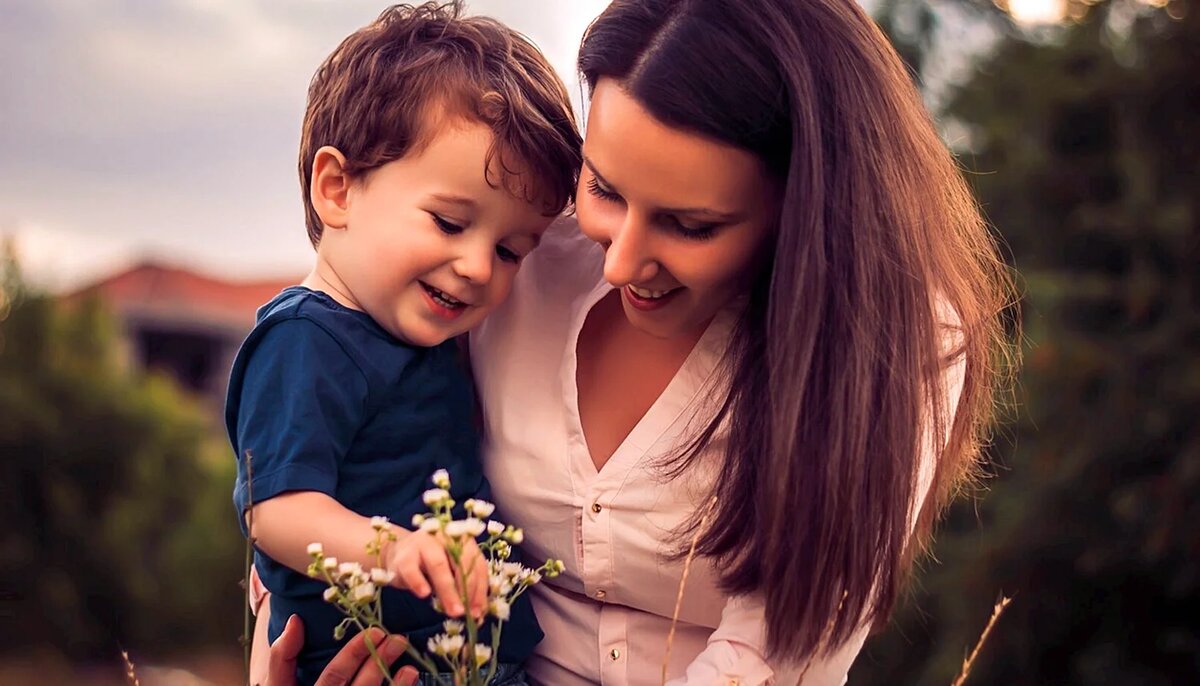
435	151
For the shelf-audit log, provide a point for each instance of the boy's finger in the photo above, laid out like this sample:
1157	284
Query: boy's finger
437	569
414	580
479	580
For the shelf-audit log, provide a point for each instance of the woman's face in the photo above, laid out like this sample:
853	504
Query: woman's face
683	218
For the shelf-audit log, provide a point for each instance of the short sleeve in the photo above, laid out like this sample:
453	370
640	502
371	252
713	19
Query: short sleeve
300	398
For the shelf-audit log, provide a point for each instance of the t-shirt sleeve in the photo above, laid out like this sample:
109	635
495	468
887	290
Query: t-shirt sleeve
302	398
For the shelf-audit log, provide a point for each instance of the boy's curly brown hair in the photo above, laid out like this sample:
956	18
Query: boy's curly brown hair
385	89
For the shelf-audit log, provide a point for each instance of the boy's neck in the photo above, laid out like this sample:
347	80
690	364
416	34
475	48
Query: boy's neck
324	279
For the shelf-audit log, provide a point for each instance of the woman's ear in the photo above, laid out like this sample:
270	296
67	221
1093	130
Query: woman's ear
329	190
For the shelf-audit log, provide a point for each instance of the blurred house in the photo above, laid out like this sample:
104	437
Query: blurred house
186	324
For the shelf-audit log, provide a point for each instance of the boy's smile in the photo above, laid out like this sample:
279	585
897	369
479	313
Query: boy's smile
425	244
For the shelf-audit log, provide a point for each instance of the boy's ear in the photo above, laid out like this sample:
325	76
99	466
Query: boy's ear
330	186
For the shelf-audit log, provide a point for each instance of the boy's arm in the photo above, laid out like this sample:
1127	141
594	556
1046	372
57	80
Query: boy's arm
283	527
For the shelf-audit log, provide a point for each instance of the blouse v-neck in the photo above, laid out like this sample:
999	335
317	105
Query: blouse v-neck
676	397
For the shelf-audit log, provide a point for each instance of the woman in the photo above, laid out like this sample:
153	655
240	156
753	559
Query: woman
775	331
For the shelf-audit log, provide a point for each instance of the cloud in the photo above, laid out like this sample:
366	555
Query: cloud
170	127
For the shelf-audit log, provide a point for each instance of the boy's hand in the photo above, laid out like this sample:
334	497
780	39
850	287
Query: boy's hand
422	566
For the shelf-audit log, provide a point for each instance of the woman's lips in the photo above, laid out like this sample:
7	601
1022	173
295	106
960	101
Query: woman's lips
647	304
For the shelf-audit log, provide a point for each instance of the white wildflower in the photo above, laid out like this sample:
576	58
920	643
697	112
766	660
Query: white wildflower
452	645
380	523
495	528
364	592
349	569
464	527
418	520
516	536
480	508
431	525
441	479
330	563
435	496
330	594
500	609
482	654
453	627
383	577
315	549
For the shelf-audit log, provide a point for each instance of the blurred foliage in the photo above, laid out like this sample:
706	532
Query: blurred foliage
1084	148
114	493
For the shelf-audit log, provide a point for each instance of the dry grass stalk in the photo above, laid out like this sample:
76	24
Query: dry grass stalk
687	567
130	672
245	639
970	659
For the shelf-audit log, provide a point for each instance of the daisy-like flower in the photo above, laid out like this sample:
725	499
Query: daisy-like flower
435	496
418	520
482	654
441	479
495	528
446	645
431	525
380	523
315	549
464	527
383	577
453	627
330	564
479	508
330	594
516	536
500	609
349	569
364	592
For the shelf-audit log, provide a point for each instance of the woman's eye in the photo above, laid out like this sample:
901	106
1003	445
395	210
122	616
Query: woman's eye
601	192
695	233
448	227
507	255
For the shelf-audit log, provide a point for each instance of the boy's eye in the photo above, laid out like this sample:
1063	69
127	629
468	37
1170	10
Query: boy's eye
448	227
507	255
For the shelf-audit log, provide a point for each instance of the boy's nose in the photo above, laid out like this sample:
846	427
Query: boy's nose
475	266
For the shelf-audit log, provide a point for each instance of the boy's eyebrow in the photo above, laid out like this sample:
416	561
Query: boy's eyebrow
728	217
454	199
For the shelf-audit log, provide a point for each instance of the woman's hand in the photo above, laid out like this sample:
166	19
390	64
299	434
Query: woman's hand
352	666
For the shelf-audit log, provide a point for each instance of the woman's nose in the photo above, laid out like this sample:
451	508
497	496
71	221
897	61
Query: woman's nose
627	257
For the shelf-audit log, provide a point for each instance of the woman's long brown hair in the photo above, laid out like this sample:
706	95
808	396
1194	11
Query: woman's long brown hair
880	257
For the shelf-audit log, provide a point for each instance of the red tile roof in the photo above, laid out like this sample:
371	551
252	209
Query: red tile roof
163	292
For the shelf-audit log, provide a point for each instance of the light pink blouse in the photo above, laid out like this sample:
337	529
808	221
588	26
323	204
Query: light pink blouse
607	618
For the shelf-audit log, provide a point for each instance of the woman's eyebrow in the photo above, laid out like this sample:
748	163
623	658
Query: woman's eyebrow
588	162
725	217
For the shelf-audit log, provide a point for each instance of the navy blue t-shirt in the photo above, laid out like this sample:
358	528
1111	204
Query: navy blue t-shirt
326	400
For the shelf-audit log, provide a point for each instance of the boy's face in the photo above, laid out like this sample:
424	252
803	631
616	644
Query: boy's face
424	244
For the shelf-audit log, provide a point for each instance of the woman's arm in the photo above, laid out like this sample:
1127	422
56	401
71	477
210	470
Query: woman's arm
735	655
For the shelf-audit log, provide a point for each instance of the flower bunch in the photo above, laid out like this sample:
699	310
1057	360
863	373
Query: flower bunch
456	651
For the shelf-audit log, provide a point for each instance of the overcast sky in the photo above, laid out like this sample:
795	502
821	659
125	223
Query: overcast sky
169	128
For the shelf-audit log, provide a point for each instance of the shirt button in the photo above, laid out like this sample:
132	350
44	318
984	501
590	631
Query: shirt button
596	508
600	595
615	654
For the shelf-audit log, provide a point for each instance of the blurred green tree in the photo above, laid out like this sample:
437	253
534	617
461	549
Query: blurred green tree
1085	152
114	493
